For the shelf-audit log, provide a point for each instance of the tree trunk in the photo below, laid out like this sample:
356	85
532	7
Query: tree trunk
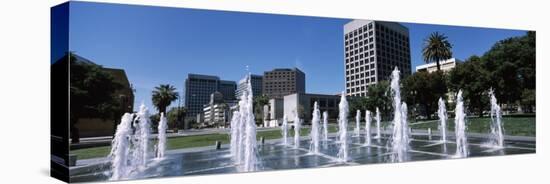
438	65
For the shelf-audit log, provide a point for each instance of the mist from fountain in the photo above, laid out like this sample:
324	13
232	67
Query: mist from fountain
240	128
297	126
161	136
121	147
284	130
235	136
497	132
400	138
460	128
343	128
130	147
325	126
442	113
142	134
243	145
358	123
250	150
378	134
314	134
367	127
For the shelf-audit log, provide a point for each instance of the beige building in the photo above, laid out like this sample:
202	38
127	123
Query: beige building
283	81
445	66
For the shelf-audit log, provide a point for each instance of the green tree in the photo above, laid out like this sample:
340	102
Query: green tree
378	95
357	103
91	91
511	66
473	80
436	48
163	96
528	100
176	117
422	91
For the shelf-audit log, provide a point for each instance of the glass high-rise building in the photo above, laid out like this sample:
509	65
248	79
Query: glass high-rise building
256	82
198	89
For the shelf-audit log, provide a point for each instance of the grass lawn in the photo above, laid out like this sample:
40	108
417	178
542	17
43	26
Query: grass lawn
192	141
522	126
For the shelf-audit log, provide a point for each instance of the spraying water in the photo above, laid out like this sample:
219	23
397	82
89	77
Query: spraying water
496	123
400	137
343	128
130	149
442	113
284	130
297	126
314	134
358	123
161	145
235	135
240	128
243	133
460	128
143	132
378	135
250	150
367	127
120	148
325	126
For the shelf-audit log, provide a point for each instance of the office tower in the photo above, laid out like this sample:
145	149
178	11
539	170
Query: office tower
283	81
256	82
372	50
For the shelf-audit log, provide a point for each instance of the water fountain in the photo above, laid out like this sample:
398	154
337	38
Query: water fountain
314	134
497	134
284	130
378	135
240	129
400	138
130	147
325	126
120	148
141	138
358	123
250	150
442	113
297	126
161	136
265	115
367	127
235	136
243	133
343	128
460	128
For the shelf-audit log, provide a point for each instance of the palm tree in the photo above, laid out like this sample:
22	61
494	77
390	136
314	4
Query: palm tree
437	48
163	95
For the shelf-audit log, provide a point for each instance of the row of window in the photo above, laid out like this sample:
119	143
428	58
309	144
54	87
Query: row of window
361	70
361	82
360	44
358	50
359	38
372	76
359	31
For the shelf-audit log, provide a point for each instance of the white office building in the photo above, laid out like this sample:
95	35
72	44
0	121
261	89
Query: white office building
372	50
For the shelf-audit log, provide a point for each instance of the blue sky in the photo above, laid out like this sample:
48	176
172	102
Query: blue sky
158	45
